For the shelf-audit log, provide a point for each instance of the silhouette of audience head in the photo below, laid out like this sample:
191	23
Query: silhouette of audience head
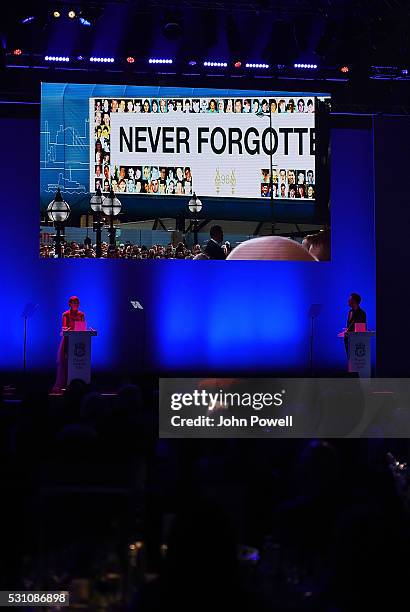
216	232
274	248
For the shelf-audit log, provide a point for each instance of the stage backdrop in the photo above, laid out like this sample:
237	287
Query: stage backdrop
213	317
392	152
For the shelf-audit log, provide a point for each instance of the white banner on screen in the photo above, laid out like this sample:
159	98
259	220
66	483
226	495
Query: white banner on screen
215	154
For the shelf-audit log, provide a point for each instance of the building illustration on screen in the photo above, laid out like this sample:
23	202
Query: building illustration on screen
64	158
66	182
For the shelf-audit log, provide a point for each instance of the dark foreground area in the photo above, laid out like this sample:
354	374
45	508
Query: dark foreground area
94	503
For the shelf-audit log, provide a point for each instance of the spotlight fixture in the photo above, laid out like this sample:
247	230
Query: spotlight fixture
172	27
56	14
308	66
237	64
28	19
56	58
257	65
105	60
89	15
192	62
72	14
344	69
17	51
215	64
130	59
154	60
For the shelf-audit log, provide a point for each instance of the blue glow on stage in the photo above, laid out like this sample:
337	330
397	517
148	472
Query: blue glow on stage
200	316
254	315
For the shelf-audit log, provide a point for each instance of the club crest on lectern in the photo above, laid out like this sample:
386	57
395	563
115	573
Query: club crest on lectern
360	350
79	349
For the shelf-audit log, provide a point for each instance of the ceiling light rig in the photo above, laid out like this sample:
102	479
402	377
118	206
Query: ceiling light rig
305	66
215	64
102	60
56	58
234	67
264	66
155	60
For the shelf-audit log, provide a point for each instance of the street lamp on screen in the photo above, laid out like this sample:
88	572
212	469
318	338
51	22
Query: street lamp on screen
58	212
111	207
97	208
195	207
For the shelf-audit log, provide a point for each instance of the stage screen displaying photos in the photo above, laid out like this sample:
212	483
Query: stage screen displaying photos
248	155
224	147
256	160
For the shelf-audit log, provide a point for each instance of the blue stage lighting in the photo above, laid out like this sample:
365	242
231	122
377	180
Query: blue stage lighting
56	58
28	19
216	64
308	66
84	21
256	65
154	60
104	60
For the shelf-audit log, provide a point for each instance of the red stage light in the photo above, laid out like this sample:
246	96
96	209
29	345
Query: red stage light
344	69
238	64
17	52
130	59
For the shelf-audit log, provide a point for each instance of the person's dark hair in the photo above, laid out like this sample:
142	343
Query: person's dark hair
357	298
215	231
308	241
322	240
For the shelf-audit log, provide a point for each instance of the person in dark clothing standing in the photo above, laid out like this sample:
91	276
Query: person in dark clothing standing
213	247
355	315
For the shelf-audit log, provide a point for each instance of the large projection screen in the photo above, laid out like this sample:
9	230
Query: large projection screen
249	155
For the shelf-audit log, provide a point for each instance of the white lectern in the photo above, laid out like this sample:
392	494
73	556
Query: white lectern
79	354
359	352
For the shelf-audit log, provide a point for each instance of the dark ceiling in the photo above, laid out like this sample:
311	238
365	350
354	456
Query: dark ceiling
329	33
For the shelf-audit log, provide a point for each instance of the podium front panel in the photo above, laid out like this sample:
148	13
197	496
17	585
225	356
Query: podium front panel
359	351
79	356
